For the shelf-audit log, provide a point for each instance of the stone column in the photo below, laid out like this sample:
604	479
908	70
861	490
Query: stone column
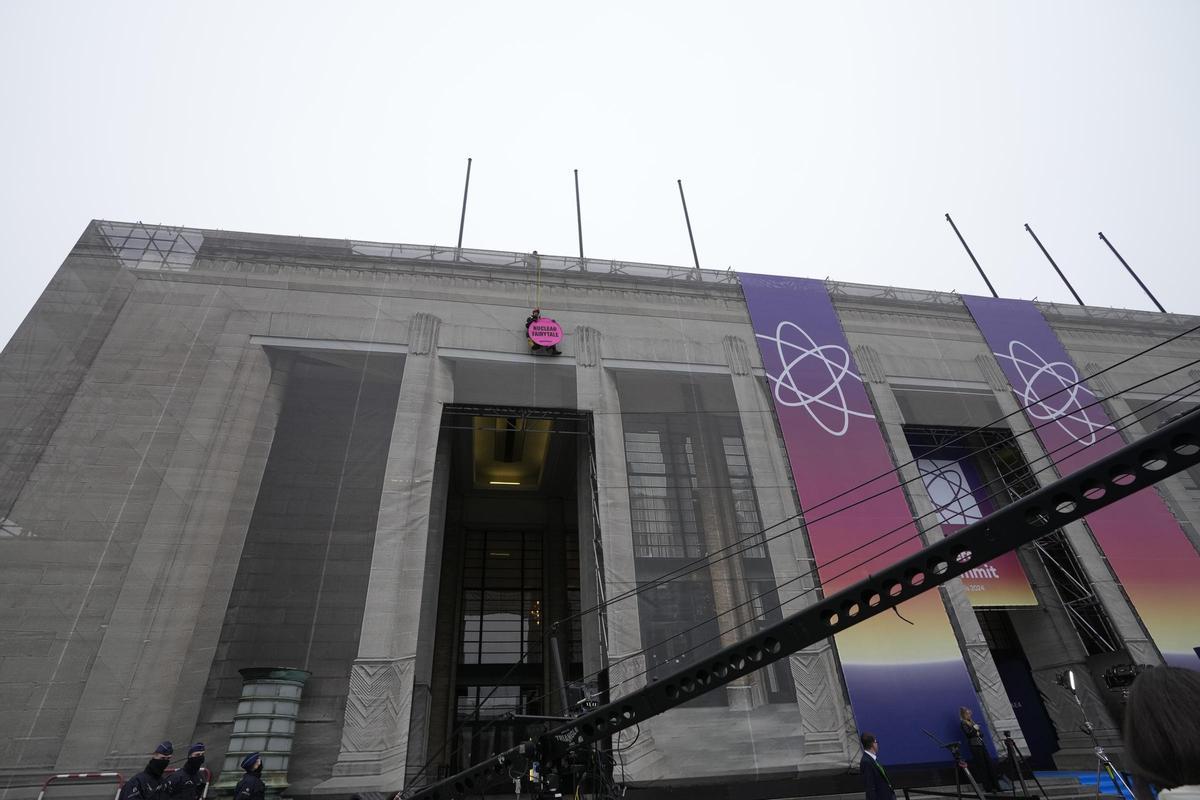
827	722
591	587
726	575
210	619
1173	490
402	590
1124	619
1051	649
146	664
596	391
996	705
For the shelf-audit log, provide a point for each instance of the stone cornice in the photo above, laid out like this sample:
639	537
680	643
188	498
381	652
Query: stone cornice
503	290
896	317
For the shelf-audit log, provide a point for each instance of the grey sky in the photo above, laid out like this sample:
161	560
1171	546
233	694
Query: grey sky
813	138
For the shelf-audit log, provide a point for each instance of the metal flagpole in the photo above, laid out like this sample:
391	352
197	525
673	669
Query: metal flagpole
463	219
687	218
578	216
972	255
1051	260
1153	299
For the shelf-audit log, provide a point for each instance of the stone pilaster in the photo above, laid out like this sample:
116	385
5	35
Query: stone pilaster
147	665
1125	621
596	391
402	591
185	713
1173	490
1053	646
996	705
820	696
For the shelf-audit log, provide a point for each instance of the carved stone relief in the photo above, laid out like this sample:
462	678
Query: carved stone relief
377	703
737	353
991	373
423	334
870	365
587	346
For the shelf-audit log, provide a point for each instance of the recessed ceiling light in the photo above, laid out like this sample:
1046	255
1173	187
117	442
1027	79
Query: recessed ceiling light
505	483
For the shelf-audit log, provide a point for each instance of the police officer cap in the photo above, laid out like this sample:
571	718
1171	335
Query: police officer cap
248	761
198	747
164	750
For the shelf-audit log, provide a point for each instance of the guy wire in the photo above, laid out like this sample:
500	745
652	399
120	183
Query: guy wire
707	559
1033	473
813	572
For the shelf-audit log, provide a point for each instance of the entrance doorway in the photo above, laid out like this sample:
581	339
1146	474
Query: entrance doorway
510	578
1028	707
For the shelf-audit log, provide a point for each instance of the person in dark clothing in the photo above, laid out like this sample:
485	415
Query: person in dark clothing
1161	745
875	780
251	786
981	763
188	782
533	317
146	784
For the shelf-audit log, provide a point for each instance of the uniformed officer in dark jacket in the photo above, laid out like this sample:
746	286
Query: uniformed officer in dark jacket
251	787
186	783
145	785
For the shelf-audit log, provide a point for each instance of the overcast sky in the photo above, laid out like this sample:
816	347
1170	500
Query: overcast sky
817	139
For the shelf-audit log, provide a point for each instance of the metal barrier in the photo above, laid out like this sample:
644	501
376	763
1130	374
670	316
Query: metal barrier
120	779
83	776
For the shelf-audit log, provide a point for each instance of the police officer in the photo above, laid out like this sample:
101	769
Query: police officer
251	787
187	783
146	783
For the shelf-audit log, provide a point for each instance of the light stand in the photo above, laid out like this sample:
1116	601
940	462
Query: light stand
1103	762
1018	764
960	767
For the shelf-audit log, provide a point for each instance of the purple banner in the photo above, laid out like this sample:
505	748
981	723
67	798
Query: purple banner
901	677
1150	554
953	484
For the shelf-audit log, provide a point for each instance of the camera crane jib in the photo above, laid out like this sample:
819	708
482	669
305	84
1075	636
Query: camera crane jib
1172	448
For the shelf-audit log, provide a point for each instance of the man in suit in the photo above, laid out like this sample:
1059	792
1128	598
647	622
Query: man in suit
875	779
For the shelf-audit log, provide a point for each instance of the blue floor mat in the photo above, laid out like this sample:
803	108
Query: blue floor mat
1086	779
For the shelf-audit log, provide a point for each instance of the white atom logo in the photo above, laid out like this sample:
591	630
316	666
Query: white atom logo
949	490
1052	392
831	359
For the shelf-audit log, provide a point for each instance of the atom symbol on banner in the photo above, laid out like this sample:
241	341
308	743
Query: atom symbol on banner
948	489
836	362
1065	391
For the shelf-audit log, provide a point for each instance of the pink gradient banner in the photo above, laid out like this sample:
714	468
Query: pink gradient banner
955	488
902	678
1148	551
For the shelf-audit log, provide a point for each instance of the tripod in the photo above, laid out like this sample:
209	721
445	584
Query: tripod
960	767
1018	766
1104	764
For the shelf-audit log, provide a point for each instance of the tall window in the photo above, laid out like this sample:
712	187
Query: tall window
662	486
502	598
686	471
741	488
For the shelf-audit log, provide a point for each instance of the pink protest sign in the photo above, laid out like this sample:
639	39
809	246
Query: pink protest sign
545	332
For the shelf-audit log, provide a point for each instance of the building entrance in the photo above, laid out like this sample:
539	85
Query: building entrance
989	472
510	578
1041	738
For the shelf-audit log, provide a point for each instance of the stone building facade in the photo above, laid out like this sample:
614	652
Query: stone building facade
223	451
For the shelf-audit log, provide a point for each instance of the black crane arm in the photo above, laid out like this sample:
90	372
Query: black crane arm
1172	448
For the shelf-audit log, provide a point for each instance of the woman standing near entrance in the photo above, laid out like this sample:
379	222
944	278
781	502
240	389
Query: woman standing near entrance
979	754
